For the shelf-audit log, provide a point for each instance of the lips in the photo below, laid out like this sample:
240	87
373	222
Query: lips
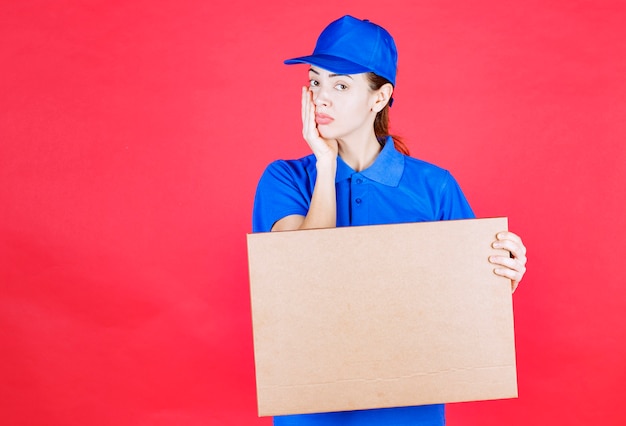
323	118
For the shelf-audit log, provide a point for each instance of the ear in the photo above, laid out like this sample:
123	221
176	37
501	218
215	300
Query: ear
381	97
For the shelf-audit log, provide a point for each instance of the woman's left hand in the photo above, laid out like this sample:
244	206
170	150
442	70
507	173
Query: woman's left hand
514	265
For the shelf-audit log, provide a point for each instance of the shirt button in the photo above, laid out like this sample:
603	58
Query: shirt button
358	201
359	180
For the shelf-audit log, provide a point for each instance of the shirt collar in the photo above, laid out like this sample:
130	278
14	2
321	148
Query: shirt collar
386	169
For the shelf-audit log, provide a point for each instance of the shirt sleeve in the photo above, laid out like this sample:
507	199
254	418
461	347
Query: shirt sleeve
282	190
454	205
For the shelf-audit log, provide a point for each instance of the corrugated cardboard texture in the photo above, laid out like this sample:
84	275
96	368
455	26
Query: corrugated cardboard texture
380	316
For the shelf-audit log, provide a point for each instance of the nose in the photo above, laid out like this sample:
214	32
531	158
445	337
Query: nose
320	97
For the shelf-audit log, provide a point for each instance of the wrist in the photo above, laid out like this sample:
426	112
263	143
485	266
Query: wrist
326	165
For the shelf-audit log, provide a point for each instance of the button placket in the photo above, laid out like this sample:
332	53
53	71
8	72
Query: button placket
358	190
358	200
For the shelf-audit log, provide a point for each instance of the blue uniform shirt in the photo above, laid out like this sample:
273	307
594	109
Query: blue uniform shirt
394	189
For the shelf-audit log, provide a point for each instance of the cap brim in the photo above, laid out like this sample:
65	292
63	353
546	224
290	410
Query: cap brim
330	63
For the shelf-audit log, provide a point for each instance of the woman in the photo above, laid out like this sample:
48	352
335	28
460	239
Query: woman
360	175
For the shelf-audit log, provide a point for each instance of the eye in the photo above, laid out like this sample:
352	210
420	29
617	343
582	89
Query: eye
341	87
314	83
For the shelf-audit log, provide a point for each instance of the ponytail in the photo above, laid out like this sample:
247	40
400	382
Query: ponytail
381	122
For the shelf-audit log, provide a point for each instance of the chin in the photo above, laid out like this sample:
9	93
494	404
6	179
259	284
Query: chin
326	133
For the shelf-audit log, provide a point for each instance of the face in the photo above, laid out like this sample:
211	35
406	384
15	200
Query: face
344	104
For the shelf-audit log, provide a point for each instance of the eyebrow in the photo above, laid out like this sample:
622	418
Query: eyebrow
331	75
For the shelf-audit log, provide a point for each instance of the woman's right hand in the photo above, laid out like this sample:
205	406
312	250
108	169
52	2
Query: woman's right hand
325	150
323	208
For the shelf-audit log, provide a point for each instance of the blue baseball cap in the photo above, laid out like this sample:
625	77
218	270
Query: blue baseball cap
351	46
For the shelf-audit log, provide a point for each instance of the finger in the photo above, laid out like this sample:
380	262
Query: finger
308	112
307	115
514	238
509	273
516	248
311	125
516	264
508	235
507	262
303	104
508	267
306	96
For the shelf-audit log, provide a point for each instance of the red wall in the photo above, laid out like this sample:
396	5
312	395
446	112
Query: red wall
132	135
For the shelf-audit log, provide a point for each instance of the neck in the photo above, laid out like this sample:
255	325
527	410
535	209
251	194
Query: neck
359	153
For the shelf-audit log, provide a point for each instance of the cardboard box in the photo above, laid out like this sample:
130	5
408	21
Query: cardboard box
380	316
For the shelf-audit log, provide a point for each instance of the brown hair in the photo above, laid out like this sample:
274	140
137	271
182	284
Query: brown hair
381	123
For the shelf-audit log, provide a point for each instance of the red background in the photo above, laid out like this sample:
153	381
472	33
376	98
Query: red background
132	135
